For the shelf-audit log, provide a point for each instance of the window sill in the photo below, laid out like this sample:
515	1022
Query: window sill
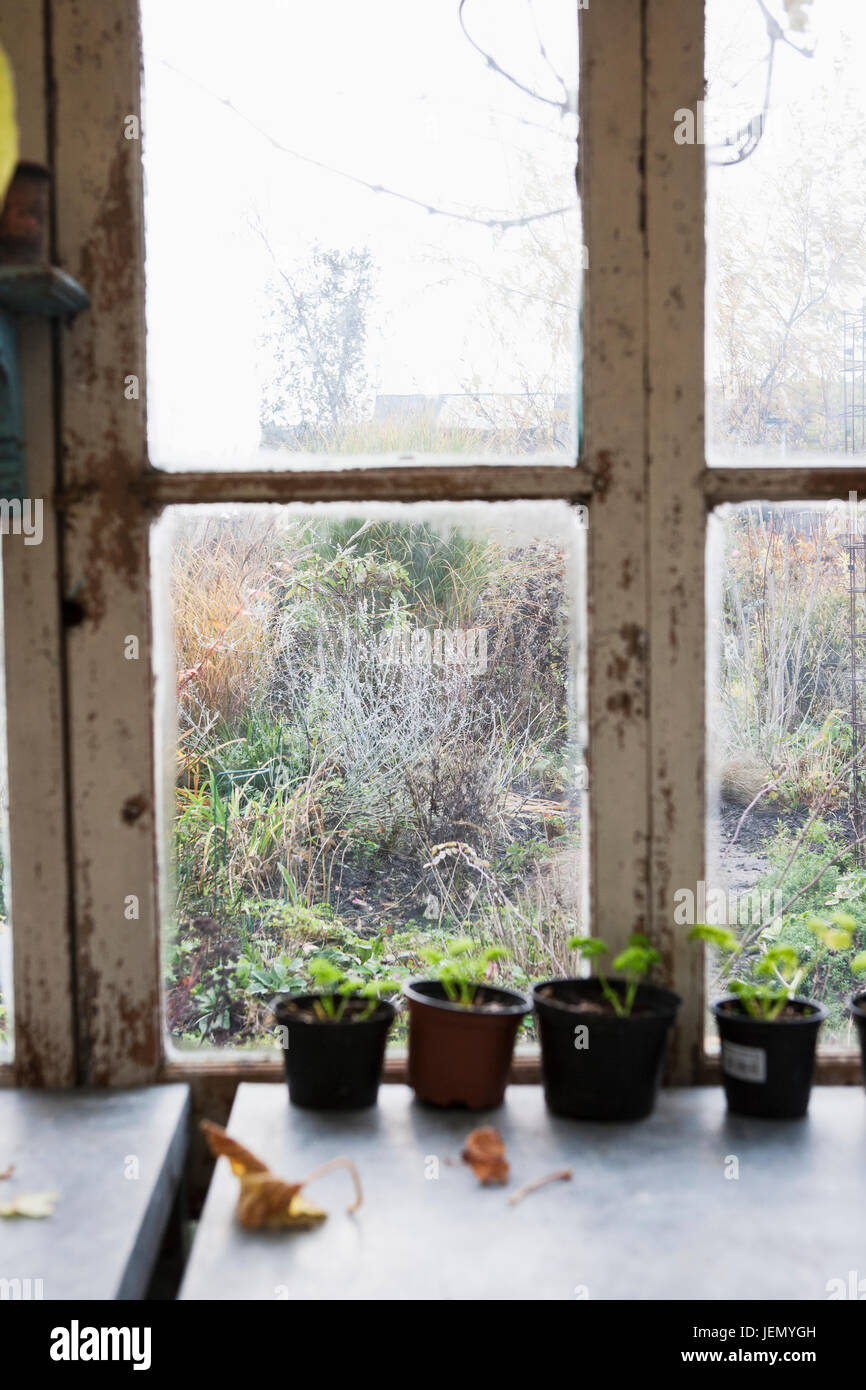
653	1209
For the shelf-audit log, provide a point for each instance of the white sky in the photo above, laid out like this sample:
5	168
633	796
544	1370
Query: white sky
391	91
817	120
387	90
737	46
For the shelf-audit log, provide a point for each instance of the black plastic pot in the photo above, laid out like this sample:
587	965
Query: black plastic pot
612	1071
767	1066
858	1013
333	1066
459	1055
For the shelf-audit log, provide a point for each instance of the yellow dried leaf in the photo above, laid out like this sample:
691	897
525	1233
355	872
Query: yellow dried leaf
33	1204
265	1201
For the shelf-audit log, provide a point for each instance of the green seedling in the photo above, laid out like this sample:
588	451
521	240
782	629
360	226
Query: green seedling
337	988
460	968
778	971
635	962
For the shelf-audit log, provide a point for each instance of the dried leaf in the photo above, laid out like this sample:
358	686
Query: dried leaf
485	1153
33	1204
7	1172
222	1145
265	1201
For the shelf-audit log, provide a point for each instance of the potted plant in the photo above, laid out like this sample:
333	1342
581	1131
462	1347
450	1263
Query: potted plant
857	1008
603	1041
768	1032
334	1039
461	1029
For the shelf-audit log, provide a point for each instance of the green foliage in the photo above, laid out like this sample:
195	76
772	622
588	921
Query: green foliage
635	962
765	981
337	987
315	777
441	573
837	887
460	967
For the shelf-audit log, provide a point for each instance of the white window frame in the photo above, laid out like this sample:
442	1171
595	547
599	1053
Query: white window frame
86	976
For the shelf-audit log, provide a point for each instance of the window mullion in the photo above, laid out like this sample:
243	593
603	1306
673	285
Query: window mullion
44	1040
614	333
675	508
99	231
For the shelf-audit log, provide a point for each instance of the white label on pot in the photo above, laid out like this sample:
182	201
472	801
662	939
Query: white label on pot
745	1063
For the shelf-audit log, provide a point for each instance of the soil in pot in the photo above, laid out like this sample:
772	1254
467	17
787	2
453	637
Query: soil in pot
767	1065
858	1013
458	1055
333	1065
597	1065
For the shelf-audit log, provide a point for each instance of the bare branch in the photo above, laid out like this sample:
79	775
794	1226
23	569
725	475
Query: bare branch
564	106
749	137
501	224
543	50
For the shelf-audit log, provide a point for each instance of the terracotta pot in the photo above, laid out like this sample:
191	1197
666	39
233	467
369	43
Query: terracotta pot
459	1055
25	219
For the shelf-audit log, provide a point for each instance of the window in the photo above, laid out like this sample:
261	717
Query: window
786	234
785	733
785	223
379	748
6	981
375	251
215	418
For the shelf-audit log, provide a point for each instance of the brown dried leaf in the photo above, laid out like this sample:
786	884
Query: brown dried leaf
267	1202
485	1153
222	1145
7	1172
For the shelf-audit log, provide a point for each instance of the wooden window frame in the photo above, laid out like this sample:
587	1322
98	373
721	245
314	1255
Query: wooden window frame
87	978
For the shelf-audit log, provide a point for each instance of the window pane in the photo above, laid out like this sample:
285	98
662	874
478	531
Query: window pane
6	998
784	128
363	238
787	691
379	747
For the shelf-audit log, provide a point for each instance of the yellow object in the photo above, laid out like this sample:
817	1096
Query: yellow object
8	125
34	1204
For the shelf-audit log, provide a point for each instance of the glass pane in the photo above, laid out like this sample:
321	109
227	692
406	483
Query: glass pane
784	128
6	999
363	238
375	747
787	691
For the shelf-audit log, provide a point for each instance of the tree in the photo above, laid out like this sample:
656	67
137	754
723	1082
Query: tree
786	263
314	341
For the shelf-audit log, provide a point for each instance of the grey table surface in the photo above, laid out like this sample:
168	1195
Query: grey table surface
115	1160
650	1213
